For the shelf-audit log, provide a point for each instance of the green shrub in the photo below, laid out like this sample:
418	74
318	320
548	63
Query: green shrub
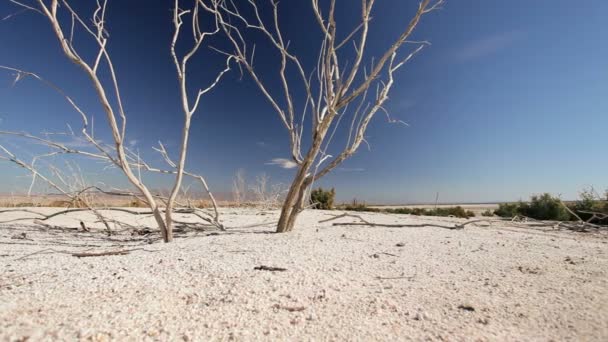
399	211
419	211
507	210
322	199
590	202
451	211
355	205
545	207
361	207
488	213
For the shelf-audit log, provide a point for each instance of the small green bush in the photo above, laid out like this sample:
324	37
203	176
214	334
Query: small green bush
545	207
540	207
590	202
322	199
451	211
361	207
507	210
488	213
399	211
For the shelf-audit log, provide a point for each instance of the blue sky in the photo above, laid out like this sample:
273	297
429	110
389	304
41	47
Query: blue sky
511	99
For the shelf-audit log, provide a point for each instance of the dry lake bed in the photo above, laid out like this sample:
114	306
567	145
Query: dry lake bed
499	281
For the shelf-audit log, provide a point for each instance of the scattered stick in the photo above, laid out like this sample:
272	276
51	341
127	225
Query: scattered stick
400	277
269	268
38	252
466	307
343	215
457	227
22	236
528	222
393	278
97	254
348	238
84	254
288	308
595	215
364	222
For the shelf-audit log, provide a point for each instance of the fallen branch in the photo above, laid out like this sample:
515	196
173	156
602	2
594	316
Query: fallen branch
97	254
289	308
269	268
364	222
519	221
42	217
84	254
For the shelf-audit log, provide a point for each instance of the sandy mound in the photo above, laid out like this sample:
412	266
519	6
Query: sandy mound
339	283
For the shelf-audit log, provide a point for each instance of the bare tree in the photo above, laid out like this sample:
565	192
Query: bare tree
119	155
341	92
239	191
266	195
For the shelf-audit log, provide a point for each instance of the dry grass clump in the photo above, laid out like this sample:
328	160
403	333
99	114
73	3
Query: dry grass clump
67	204
136	203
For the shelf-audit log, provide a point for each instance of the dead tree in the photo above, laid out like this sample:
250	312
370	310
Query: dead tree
239	191
342	89
119	155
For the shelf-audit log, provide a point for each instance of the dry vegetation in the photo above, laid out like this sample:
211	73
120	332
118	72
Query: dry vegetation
77	264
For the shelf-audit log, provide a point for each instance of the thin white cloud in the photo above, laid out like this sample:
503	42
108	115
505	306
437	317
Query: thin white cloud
351	169
283	163
133	143
76	142
487	45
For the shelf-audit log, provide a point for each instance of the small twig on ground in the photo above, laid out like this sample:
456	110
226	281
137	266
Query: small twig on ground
289	308
85	254
38	252
83	226
400	277
348	238
269	268
97	254
364	222
344	215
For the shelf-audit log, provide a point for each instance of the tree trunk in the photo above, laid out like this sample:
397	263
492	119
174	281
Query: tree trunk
292	206
166	230
291	209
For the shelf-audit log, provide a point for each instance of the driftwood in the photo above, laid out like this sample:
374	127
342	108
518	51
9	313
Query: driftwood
518	221
40	218
364	222
97	254
288	308
269	268
84	254
594	215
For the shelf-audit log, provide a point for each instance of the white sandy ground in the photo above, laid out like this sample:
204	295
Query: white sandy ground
480	283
